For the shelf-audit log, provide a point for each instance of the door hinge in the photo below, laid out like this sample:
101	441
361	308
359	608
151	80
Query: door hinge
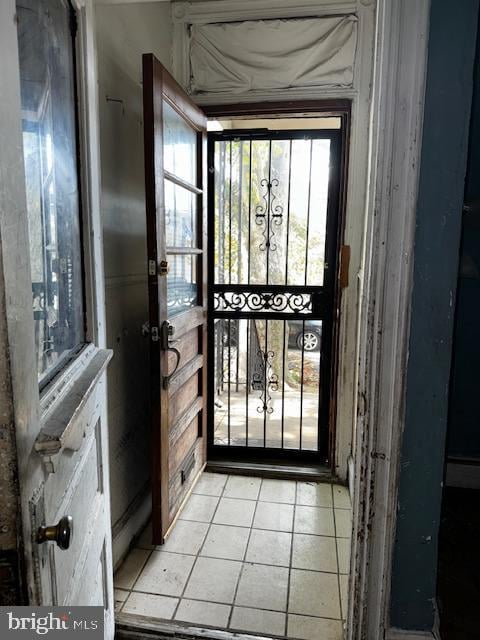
154	333
152	268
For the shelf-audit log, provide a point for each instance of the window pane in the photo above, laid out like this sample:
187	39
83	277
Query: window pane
180	216
181	283
180	145
49	141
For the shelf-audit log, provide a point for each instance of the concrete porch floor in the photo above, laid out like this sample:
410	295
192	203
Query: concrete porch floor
291	420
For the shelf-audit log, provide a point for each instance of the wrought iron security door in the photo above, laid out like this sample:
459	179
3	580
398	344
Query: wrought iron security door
273	211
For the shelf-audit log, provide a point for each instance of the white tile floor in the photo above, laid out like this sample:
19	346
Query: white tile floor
259	556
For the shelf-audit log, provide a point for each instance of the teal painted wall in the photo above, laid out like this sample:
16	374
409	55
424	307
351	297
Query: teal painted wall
452	38
464	422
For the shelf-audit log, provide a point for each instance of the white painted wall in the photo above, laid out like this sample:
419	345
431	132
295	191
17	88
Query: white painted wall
124	33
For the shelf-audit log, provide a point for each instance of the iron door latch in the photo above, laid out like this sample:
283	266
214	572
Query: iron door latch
166	332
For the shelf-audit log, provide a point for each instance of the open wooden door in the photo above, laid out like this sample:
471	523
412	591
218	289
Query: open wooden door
175	143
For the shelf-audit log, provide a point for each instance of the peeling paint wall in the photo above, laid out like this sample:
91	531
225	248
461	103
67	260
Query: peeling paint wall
18	373
452	39
10	516
124	33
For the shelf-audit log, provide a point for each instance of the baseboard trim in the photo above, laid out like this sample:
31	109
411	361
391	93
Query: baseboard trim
130	525
463	475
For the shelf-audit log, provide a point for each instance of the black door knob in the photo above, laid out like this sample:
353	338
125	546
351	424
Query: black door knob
61	533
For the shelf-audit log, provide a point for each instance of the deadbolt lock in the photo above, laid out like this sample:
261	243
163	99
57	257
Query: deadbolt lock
163	268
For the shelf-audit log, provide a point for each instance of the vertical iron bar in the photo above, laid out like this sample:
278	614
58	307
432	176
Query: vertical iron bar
248	280
269	204
249	210
247	383
230	221
283	379
269	196
308	211
239	201
306	278
237	363
285	323
320	383
265	386
301	385
219	238
288	213
221	215
239	252
174	187
228	384
230	282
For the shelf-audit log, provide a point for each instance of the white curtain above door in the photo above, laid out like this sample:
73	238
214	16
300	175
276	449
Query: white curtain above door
273	54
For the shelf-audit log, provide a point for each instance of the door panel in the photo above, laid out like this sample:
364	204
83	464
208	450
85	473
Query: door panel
188	346
75	468
175	141
274	222
191	467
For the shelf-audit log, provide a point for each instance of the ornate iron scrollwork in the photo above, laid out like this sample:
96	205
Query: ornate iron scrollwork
265	383
269	214
262	301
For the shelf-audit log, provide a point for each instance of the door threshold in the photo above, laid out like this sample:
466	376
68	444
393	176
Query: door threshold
132	627
312	473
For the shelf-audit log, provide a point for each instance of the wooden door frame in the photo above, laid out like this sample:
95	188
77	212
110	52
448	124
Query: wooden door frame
337	108
165	86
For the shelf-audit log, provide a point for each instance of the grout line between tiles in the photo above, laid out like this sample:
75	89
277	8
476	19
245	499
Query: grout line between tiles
338	564
314	506
320	535
291	562
244	558
304	615
132	588
197	555
263	564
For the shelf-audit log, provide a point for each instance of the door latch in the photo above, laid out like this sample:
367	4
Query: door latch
166	333
163	268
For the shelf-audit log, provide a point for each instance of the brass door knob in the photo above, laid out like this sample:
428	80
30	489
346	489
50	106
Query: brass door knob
61	533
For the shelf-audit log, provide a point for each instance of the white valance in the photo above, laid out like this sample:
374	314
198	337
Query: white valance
273	54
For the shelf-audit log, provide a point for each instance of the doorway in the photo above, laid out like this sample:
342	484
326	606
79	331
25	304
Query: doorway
274	194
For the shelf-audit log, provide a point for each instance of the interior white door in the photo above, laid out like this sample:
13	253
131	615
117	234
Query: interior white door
61	448
70	511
